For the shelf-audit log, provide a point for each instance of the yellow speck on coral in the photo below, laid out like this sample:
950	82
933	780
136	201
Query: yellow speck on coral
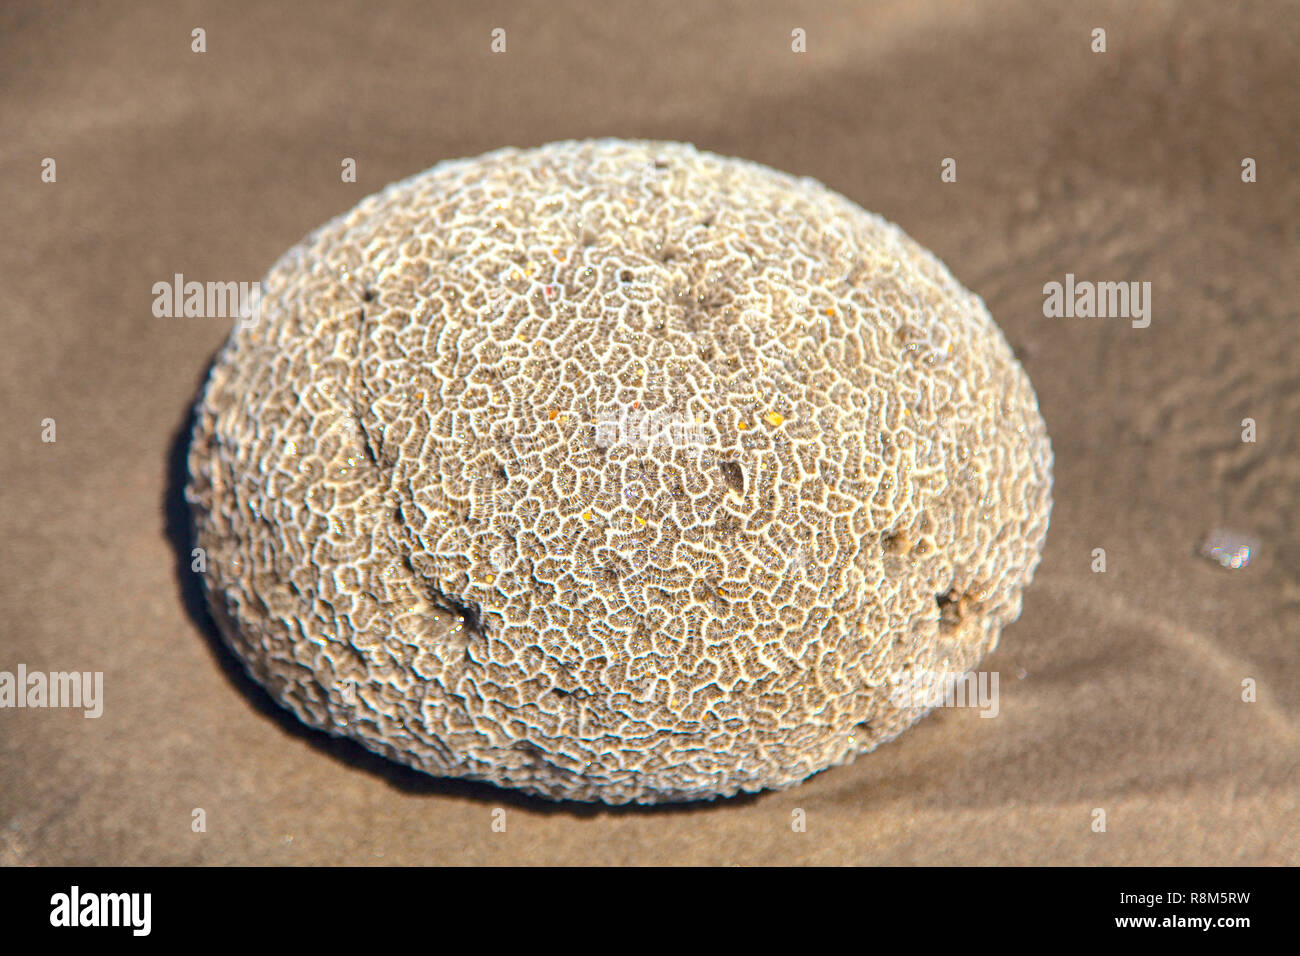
774	419
639	520
552	415
741	425
586	516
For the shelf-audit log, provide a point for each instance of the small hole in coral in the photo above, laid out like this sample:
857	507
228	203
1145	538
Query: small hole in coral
897	543
469	613
532	753
950	608
733	476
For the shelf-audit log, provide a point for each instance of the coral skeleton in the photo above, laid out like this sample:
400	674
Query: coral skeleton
615	471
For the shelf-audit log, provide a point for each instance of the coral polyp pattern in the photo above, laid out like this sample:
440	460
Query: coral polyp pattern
615	471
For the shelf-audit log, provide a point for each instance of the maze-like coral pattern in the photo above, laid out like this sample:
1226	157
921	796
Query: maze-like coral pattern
615	471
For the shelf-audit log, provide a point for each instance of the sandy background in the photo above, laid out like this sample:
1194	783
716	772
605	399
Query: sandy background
1120	690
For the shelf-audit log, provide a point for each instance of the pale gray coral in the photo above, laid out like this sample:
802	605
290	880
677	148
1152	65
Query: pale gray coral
615	471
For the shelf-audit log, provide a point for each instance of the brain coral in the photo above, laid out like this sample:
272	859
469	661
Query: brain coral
615	471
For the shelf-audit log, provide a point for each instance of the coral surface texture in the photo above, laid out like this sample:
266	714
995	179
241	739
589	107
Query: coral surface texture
615	471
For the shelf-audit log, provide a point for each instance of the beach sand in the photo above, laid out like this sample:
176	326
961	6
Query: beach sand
1119	691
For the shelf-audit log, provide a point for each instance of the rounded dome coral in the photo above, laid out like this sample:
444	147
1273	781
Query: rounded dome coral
615	471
